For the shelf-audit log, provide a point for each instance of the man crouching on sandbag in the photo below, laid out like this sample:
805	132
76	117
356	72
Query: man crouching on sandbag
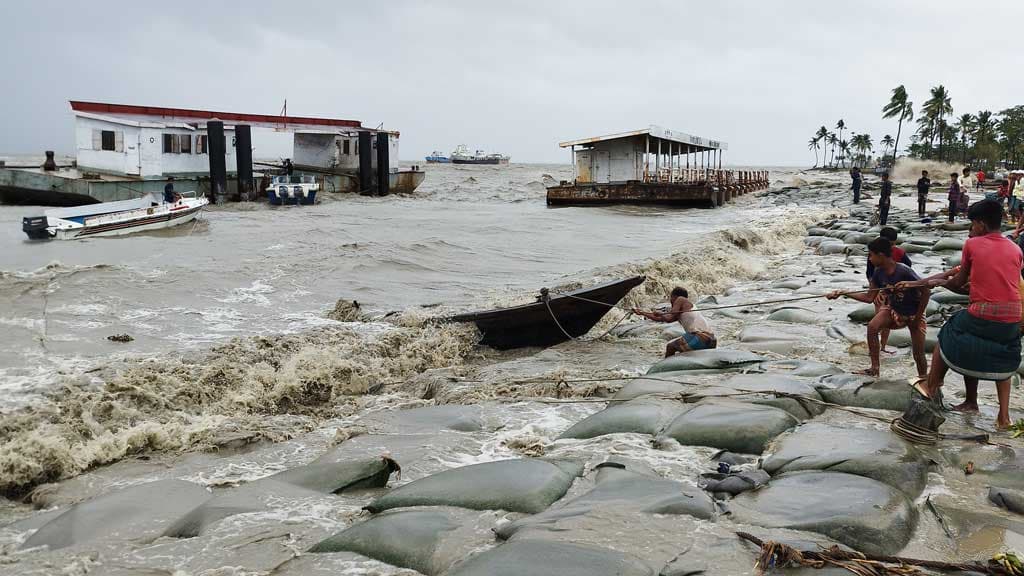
697	336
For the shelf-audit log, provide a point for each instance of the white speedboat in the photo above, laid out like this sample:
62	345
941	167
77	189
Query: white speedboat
113	218
292	190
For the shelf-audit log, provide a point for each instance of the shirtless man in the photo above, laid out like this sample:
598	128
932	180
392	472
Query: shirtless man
698	334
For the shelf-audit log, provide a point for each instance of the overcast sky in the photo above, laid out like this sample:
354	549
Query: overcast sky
515	76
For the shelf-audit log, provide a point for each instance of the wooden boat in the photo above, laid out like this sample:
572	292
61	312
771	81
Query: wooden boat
535	324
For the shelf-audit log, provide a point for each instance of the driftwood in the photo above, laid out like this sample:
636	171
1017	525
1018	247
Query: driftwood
775	555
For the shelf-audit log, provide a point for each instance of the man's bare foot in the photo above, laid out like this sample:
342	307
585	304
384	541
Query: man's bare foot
1003	424
966	407
888	351
867	372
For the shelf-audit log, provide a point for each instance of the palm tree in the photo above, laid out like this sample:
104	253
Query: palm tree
840	126
886	142
822	136
965	126
901	107
832	141
936	109
812	144
844	148
984	127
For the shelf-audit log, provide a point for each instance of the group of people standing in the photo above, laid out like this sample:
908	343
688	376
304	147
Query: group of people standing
980	342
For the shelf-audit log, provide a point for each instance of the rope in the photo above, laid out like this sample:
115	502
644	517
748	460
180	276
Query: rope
744	305
776	555
546	298
913	433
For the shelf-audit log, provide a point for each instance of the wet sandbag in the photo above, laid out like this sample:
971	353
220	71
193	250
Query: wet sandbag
649	330
863	314
862	513
901	339
946	297
832	247
403	538
425	419
957	226
816	231
544	558
927	241
1012	500
914	248
626	491
954	260
877	454
337	477
307	481
948	245
640	416
865	392
252	497
717	359
645	387
789	284
520	485
802	368
734	483
134	513
736	426
768	383
859	238
794	315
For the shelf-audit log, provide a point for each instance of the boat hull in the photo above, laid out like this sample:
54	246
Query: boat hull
437	160
488	161
306	200
535	325
164	221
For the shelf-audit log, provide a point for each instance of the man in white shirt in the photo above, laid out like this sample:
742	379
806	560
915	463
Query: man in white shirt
698	335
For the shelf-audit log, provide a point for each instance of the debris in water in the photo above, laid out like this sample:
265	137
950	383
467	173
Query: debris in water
120	338
346	311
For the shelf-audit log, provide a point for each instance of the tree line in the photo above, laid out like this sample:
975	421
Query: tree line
981	140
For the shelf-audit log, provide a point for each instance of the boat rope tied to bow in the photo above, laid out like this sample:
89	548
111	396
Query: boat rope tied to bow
545	291
777	556
545	297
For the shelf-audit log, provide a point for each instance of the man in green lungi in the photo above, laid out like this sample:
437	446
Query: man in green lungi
981	342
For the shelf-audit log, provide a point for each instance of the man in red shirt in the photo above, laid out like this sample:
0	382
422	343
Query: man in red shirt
983	341
980	179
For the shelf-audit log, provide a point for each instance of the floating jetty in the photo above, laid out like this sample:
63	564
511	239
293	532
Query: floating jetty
126	151
651	166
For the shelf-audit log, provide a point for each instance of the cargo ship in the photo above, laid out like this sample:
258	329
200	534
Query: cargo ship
461	155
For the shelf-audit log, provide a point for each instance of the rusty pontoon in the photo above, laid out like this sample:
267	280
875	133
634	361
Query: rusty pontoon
651	166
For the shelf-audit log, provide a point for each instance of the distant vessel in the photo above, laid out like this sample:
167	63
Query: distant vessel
461	155
437	158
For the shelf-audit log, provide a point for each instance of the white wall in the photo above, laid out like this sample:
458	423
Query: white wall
314	150
141	150
125	160
328	150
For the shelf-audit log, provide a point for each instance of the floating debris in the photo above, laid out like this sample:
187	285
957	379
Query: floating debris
120	338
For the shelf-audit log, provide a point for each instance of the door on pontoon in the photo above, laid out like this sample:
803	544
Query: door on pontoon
601	167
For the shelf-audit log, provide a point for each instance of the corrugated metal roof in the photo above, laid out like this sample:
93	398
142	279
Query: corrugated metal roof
655	132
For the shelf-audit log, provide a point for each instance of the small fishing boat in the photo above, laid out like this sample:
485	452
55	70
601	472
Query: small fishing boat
436	157
113	218
552	319
292	190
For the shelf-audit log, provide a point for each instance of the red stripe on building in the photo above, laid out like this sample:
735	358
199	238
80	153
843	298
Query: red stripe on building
156	111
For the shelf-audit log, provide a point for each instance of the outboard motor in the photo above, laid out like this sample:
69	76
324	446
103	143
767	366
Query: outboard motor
36	227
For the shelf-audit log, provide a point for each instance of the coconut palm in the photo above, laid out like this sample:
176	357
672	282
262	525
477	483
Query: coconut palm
840	126
984	127
812	144
901	107
935	109
886	143
965	127
844	150
832	141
